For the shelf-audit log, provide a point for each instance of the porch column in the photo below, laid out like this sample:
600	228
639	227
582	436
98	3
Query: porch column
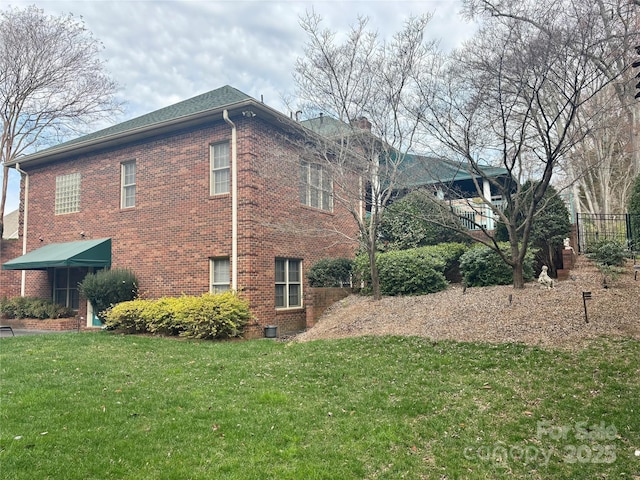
488	211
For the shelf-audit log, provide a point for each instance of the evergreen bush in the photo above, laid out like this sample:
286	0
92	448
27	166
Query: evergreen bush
481	266
406	272
408	223
413	271
330	272
31	307
106	288
551	225
608	253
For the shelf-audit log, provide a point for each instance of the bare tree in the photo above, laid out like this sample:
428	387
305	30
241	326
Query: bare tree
601	169
52	83
369	88
510	98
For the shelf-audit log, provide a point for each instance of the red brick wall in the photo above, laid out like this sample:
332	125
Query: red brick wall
10	280
53	325
319	299
279	225
176	226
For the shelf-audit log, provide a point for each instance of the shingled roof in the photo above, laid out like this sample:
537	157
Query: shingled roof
420	170
217	98
414	170
186	110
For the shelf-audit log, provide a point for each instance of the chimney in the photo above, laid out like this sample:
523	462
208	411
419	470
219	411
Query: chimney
362	123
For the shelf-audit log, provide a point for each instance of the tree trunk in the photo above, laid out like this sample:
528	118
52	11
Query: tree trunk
551	251
375	279
518	274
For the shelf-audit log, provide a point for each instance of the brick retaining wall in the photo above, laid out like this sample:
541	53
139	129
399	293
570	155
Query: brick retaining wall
317	300
53	324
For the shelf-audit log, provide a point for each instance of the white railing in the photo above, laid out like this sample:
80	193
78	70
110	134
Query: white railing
475	215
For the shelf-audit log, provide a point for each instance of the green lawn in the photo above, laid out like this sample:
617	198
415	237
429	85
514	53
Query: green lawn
105	406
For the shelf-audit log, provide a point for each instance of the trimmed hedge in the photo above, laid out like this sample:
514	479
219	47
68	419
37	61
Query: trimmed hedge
450	253
403	272
481	266
330	272
414	271
210	316
31	307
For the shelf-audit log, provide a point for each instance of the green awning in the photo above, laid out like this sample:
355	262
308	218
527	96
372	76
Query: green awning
84	253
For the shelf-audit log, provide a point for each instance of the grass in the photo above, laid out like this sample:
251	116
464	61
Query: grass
104	406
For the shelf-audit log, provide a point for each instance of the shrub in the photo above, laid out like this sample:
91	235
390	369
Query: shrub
450	254
407	223
210	316
414	271
31	307
481	266
106	288
608	252
330	272
406	272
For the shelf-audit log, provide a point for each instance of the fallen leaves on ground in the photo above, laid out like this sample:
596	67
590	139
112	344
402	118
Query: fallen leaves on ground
533	315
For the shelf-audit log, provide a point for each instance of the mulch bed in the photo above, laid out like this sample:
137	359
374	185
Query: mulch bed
533	315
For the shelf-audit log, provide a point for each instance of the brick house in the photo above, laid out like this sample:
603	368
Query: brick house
211	193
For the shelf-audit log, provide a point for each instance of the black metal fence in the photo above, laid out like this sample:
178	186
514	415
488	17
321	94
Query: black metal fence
593	228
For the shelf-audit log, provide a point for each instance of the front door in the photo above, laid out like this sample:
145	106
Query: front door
92	318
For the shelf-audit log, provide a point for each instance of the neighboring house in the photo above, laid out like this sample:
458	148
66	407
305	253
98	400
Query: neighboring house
210	194
451	181
457	184
11	225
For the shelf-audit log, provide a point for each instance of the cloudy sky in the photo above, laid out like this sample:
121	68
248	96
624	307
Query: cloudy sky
162	52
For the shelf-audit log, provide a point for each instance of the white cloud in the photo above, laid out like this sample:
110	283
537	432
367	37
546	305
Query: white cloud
161	52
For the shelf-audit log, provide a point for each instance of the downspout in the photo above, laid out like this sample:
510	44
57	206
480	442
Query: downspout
234	202
25	219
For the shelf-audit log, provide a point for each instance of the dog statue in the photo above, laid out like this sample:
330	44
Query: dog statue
544	279
567	245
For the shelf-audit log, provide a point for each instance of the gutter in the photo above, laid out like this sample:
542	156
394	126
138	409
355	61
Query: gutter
25	221
234	201
80	147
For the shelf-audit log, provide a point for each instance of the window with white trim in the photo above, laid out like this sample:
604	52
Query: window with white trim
128	182
220	156
67	194
220	278
316	186
288	283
